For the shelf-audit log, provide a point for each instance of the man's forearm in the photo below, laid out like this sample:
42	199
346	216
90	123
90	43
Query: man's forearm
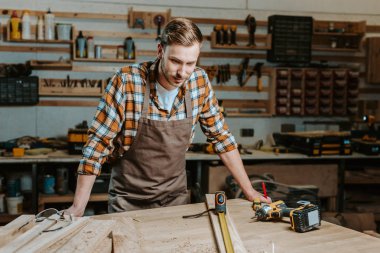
82	194
234	164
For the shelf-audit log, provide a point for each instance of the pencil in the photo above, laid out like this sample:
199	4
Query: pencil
264	190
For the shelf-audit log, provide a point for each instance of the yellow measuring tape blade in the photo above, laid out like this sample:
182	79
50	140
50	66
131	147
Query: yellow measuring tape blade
225	233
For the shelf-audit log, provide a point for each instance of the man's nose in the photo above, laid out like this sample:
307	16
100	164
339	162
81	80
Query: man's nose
182	70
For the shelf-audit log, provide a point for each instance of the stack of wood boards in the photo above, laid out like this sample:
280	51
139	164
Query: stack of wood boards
81	235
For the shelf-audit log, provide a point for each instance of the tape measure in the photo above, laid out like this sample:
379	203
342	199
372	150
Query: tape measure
220	209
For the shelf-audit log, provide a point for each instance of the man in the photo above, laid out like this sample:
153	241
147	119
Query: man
147	118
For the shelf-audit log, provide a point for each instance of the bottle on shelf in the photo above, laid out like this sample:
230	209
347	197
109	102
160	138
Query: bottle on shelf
129	48
90	48
15	27
26	31
81	46
40	28
49	26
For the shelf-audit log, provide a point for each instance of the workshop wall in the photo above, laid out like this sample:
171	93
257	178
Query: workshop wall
51	121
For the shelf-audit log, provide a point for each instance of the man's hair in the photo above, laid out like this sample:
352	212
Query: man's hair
181	31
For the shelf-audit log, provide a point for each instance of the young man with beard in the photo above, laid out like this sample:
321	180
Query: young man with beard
146	121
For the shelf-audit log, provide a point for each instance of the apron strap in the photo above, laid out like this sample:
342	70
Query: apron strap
188	106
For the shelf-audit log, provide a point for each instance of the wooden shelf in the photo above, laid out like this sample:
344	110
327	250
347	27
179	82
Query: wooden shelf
263	42
70	87
329	49
41	41
50	65
67	198
104	60
334	34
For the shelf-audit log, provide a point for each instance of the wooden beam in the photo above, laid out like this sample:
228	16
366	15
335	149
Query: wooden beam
125	236
373	29
89	238
15	228
67	103
108	34
237	243
45	240
26	237
34	49
79	15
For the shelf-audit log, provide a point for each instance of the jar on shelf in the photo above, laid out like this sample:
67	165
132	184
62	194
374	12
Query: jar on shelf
129	48
90	48
120	52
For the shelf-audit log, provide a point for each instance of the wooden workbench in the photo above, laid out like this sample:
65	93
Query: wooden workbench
164	230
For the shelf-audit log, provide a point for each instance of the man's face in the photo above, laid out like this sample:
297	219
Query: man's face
176	65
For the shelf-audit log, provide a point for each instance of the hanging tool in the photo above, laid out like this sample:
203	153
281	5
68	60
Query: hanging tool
218	31
225	35
242	74
233	29
304	218
220	209
257	69
158	21
250	22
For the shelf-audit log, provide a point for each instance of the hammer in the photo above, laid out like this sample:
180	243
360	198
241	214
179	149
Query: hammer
257	68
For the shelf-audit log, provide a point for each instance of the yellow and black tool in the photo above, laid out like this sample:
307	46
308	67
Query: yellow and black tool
220	209
302	219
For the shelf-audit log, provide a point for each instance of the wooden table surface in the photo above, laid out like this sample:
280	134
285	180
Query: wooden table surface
164	230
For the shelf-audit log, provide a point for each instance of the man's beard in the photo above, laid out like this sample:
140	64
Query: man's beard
167	76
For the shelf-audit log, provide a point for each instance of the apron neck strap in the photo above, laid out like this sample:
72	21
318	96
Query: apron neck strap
147	98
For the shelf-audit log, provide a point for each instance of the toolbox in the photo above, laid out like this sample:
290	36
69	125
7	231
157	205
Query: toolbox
19	90
366	147
77	137
316	143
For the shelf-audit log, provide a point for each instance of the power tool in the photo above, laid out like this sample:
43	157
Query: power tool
304	218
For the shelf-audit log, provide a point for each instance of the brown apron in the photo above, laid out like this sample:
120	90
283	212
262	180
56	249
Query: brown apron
152	173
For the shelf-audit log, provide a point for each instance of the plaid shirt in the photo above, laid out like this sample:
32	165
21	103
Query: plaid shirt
115	123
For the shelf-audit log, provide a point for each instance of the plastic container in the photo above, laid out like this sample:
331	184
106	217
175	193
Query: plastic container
64	31
26	182
49	184
26	31
81	46
49	26
40	28
15	26
13	187
14	204
90	48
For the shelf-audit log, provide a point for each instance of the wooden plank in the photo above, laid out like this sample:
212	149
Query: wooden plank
46	240
110	34
125	236
89	238
235	103
34	49
237	243
26	237
373	60
67	103
79	15
106	246
50	65
15	228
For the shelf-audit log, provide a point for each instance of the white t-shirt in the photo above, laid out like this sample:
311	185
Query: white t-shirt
166	97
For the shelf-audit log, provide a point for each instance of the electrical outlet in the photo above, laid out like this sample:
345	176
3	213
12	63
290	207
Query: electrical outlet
247	132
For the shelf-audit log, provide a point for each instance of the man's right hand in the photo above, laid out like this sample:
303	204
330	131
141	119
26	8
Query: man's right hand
82	195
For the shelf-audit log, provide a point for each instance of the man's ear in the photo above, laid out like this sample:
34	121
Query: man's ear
160	50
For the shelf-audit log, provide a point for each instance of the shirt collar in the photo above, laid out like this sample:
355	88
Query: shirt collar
153	77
